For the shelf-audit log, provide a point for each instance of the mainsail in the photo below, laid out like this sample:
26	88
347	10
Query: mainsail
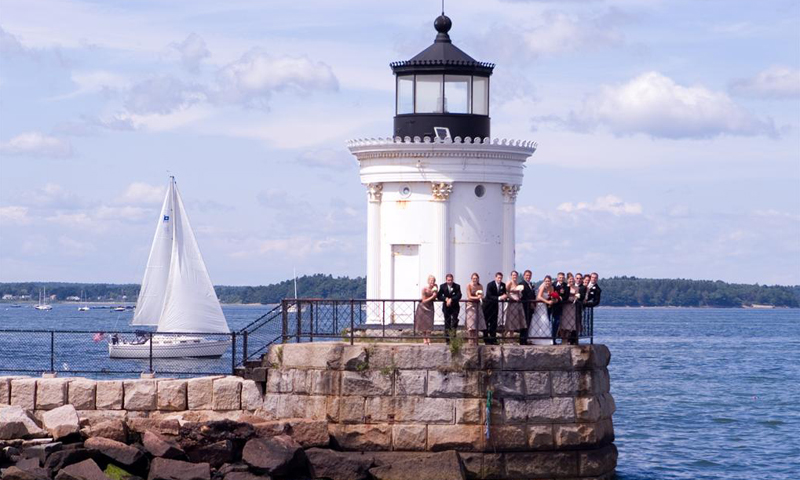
177	293
151	296
191	304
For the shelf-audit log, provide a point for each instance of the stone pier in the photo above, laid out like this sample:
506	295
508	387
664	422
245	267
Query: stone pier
550	414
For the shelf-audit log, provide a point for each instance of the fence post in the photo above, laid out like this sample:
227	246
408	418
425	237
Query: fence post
151	352
591	328
352	321
244	346
284	321
52	351
383	319
233	354
311	322
299	314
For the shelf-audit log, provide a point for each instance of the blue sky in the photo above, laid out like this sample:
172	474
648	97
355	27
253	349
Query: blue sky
669	141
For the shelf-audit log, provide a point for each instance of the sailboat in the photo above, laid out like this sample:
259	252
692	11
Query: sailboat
177	295
43	305
84	308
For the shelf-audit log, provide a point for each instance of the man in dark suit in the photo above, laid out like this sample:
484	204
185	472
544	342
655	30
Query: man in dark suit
593	292
450	295
578	308
528	295
563	292
495	292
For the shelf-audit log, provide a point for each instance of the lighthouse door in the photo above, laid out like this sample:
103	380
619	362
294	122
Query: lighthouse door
405	281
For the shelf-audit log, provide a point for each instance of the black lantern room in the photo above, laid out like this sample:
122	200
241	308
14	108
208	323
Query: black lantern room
442	87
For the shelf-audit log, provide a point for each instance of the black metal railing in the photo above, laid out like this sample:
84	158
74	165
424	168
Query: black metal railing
307	320
122	353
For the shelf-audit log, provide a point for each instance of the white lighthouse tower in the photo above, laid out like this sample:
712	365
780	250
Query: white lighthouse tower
441	192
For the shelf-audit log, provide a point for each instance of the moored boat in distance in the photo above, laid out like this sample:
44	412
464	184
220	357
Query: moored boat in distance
84	308
177	296
43	305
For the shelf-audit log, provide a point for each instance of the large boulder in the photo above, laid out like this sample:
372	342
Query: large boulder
117	452
15	423
215	454
433	466
41	452
279	455
166	469
16	473
160	446
62	422
334	465
112	429
63	458
194	435
85	470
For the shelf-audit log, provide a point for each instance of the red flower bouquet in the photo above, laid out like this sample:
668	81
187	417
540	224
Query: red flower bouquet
555	296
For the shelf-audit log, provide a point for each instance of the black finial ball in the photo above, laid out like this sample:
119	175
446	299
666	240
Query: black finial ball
442	24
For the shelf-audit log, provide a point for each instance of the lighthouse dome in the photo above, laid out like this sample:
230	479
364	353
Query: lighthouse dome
442	88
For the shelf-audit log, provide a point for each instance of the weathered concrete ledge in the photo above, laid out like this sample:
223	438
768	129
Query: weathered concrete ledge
550	414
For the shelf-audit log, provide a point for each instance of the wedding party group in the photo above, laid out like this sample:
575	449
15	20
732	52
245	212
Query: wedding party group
540	316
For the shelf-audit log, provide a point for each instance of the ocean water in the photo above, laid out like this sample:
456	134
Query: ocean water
704	393
700	393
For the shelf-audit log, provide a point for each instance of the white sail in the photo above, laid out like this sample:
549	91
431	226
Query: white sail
154	284
191	304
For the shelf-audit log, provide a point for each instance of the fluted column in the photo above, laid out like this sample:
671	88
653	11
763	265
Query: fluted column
509	226
441	195
374	195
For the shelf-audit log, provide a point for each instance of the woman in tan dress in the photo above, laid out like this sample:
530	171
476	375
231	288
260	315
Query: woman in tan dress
423	317
515	314
568	325
474	312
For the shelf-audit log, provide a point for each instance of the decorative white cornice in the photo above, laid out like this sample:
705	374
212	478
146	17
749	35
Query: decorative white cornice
467	160
375	192
441	191
363	142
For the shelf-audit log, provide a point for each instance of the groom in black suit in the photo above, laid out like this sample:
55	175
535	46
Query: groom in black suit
495	291
450	295
528	296
563	292
593	292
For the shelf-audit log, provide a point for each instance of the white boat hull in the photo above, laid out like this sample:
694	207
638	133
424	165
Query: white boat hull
170	347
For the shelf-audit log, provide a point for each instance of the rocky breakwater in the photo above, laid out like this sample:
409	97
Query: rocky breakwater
326	411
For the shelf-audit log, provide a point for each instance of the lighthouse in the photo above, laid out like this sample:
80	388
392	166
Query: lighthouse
441	192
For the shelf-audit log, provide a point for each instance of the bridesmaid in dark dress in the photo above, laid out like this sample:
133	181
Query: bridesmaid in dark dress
423	317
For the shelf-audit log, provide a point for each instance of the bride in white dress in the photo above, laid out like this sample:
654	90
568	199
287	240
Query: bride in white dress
540	323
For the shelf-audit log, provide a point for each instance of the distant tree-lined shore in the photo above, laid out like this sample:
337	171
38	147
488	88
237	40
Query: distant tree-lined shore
617	291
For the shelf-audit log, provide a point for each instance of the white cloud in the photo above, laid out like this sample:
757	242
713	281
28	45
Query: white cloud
52	195
558	32
775	82
162	94
70	246
97	81
10	44
655	105
139	193
329	158
35	144
607	204
192	51
252	79
14	215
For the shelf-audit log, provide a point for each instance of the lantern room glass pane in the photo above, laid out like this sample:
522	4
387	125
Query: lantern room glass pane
480	95
405	94
429	94
456	93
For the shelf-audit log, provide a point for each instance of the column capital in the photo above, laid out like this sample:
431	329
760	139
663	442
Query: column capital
374	192
510	192
441	191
